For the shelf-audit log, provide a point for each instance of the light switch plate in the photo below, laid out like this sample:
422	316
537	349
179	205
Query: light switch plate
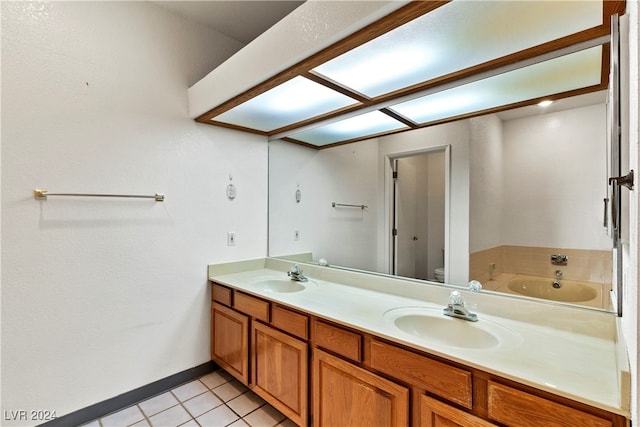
231	238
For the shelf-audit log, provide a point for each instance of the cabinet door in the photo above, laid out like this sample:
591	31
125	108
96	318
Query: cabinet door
434	413
230	341
280	371
346	395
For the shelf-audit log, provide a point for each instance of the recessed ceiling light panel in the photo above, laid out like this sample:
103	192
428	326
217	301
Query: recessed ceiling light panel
456	36
291	102
566	73
355	127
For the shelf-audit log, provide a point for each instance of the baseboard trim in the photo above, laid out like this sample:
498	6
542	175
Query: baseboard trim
99	410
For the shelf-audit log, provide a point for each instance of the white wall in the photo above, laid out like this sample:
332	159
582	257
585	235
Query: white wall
555	179
344	174
485	183
527	187
102	296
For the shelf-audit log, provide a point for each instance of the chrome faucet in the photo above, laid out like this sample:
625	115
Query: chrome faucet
457	309
296	274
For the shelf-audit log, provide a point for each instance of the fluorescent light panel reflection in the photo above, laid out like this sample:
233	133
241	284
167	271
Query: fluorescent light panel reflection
366	124
456	36
575	71
291	102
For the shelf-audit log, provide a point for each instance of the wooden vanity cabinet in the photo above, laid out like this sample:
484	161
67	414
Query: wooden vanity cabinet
264	346
449	395
443	393
358	379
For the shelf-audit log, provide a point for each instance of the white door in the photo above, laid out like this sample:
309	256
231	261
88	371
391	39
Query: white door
419	215
405	184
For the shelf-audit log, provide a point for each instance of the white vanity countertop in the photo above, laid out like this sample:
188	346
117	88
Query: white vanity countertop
568	351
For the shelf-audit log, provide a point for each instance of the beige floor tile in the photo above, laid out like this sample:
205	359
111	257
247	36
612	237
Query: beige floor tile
216	379
158	404
202	403
189	390
245	403
265	416
194	405
124	417
230	390
172	417
218	417
94	423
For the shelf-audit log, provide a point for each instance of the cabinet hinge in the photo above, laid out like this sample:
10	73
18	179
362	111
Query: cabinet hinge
395	174
394	232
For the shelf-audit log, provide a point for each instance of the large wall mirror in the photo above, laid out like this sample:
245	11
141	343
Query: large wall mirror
514	200
455	175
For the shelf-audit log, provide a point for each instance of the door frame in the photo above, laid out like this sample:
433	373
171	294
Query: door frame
389	207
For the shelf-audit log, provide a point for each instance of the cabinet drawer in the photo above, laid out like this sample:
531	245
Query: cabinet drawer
294	323
434	413
514	407
451	383
221	294
254	307
340	341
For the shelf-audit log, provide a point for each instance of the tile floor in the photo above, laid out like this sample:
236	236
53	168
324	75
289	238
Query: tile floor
215	400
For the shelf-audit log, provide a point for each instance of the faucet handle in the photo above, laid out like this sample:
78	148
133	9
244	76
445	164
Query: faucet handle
455	298
475	286
295	269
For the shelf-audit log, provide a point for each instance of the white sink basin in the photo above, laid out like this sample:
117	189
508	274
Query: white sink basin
431	325
281	285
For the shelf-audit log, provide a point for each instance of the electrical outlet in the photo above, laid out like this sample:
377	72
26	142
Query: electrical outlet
231	238
296	235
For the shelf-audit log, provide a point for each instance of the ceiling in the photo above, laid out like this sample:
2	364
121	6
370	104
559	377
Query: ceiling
240	20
